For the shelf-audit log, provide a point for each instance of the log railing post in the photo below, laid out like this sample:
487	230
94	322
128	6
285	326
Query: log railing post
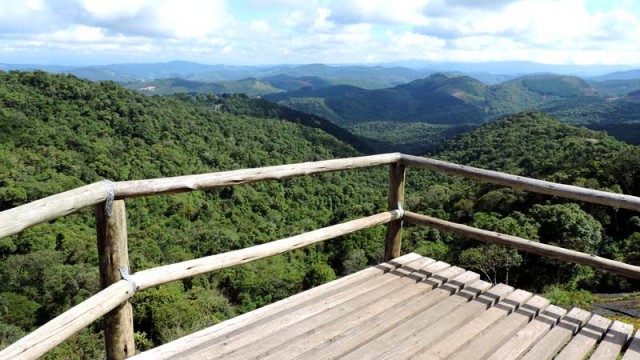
396	200
113	253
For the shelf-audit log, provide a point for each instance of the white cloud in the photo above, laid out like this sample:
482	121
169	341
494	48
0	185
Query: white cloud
113	10
294	19
322	22
335	31
165	18
553	31
261	26
76	34
378	11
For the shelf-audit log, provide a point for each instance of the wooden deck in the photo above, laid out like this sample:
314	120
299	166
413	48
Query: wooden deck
411	307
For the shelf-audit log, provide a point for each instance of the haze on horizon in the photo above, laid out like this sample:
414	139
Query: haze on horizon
252	32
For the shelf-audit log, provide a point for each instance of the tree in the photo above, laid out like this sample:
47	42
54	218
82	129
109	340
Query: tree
493	259
318	274
490	260
568	226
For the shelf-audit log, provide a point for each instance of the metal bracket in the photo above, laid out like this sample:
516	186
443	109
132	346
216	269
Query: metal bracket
125	275
400	209
108	204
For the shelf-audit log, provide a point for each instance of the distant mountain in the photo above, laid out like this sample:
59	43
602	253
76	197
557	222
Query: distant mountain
291	83
511	68
619	75
186	70
441	99
370	77
419	116
98	74
616	87
248	86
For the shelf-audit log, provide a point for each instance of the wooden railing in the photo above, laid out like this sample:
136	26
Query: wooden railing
118	286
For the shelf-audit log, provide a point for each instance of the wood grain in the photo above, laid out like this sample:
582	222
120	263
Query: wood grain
520	182
393	242
15	220
135	188
70	322
613	341
113	252
275	310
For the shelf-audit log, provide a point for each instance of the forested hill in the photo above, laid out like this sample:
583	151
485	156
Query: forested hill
533	144
58	133
68	131
440	99
419	116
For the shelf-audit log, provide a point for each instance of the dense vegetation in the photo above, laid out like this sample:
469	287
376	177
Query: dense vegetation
409	137
443	99
532	144
58	132
454	102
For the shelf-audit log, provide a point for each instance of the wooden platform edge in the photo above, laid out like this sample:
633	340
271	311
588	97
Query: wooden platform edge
167	350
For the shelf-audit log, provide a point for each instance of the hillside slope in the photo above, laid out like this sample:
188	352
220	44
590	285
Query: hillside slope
58	133
536	145
417	116
248	86
444	99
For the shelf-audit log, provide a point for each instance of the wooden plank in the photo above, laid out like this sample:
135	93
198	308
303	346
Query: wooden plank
369	291
312	336
613	341
581	344
315	327
68	323
474	328
15	220
113	252
483	346
135	188
420	331
164	274
377	328
550	251
520	182
393	242
633	351
549	345
524	339
265	314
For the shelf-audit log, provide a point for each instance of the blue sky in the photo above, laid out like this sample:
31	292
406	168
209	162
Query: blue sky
251	32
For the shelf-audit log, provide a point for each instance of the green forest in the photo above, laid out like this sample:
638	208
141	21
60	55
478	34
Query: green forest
58	132
419	116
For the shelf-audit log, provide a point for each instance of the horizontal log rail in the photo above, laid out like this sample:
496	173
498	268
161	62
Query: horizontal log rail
554	252
164	274
68	323
45	338
525	183
15	220
73	320
136	188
